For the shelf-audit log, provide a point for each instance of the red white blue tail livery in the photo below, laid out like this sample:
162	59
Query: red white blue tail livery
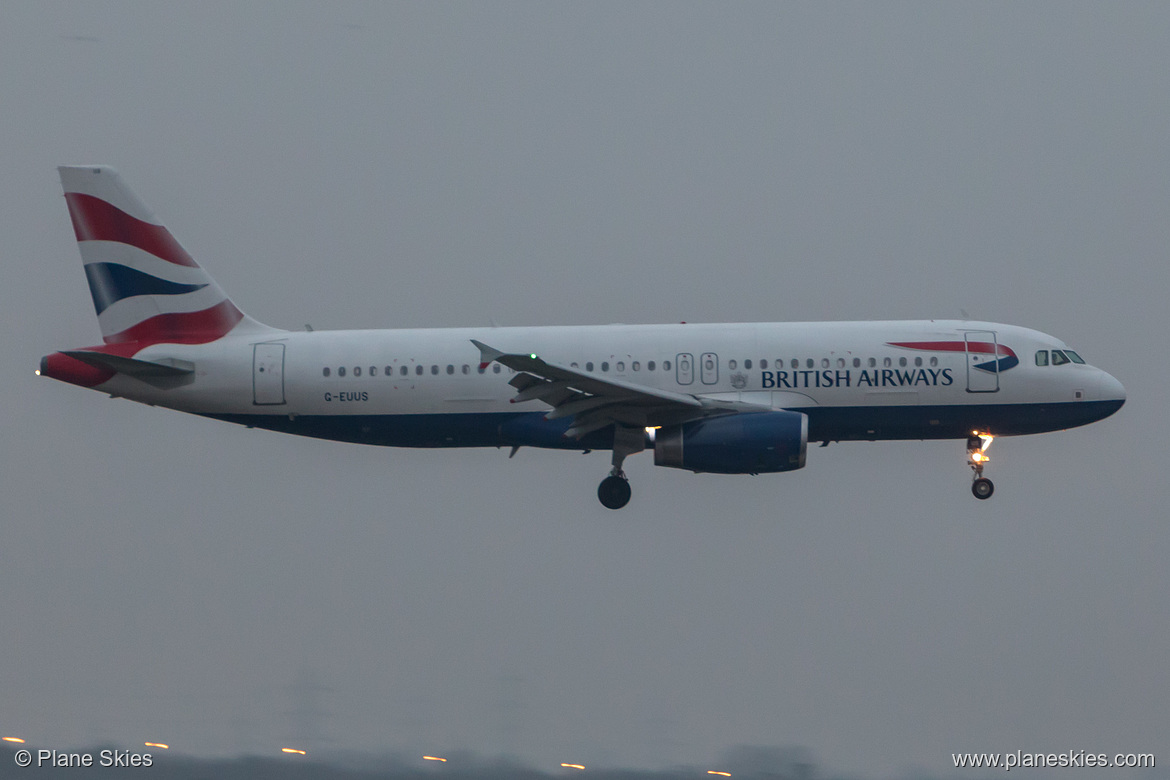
736	398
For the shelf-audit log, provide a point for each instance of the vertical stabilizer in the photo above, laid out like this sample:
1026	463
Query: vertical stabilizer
146	288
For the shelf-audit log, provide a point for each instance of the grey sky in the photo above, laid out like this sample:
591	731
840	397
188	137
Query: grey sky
431	164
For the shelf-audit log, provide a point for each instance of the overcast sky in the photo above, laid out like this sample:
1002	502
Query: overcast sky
169	578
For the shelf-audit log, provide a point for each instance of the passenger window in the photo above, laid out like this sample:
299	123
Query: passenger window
763	362
731	364
650	366
434	369
495	368
810	363
404	370
1042	357
840	362
450	370
902	362
466	369
605	365
636	366
589	366
357	370
389	371
325	371
665	365
918	361
795	363
373	370
747	364
341	371
887	362
872	362
621	366
1074	357
857	362
481	369
1058	358
824	362
418	369
933	361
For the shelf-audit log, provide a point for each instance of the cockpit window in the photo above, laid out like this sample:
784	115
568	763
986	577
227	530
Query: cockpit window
1042	357
1058	358
1074	357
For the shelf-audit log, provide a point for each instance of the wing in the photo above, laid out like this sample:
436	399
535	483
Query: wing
594	402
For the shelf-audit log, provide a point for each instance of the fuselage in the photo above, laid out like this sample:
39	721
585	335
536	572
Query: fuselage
923	379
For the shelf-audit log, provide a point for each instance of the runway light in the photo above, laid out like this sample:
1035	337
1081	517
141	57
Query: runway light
572	766
434	758
292	750
17	740
157	745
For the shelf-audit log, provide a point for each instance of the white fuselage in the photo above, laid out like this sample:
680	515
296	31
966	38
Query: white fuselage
846	375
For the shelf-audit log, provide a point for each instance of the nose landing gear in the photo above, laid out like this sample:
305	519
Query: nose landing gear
977	444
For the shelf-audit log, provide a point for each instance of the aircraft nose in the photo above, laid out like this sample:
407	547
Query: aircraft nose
1111	389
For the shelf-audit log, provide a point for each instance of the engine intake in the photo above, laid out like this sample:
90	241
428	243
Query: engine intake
746	443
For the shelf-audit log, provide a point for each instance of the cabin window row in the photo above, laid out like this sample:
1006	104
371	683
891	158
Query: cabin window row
419	370
651	365
841	362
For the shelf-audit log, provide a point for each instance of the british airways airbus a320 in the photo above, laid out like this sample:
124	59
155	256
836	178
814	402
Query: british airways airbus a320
725	398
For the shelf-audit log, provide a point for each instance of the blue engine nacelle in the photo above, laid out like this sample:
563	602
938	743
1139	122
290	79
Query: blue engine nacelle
746	443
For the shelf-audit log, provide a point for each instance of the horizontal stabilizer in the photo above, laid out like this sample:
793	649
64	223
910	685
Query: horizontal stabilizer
142	369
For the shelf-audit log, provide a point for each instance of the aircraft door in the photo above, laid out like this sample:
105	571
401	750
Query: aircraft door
267	374
709	368
982	361
684	368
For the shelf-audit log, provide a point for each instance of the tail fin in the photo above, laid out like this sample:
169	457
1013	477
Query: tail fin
146	289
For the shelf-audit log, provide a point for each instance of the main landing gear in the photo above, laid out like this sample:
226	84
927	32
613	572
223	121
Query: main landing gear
977	444
614	491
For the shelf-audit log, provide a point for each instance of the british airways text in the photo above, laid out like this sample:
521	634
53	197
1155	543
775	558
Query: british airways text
875	377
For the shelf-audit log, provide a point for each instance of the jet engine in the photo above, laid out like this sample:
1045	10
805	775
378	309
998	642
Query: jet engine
745	443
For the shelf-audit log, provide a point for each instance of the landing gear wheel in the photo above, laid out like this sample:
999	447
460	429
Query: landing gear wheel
614	492
982	488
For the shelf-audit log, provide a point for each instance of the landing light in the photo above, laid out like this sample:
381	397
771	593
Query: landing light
572	766
721	774
434	758
292	750
157	745
17	740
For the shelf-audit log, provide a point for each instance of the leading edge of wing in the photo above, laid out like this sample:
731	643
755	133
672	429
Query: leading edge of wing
588	383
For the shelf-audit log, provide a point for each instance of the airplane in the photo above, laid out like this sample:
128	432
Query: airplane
733	398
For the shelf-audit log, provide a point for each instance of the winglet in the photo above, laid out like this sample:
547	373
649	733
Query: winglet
486	354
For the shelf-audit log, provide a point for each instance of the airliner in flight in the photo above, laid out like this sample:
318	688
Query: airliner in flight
734	398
